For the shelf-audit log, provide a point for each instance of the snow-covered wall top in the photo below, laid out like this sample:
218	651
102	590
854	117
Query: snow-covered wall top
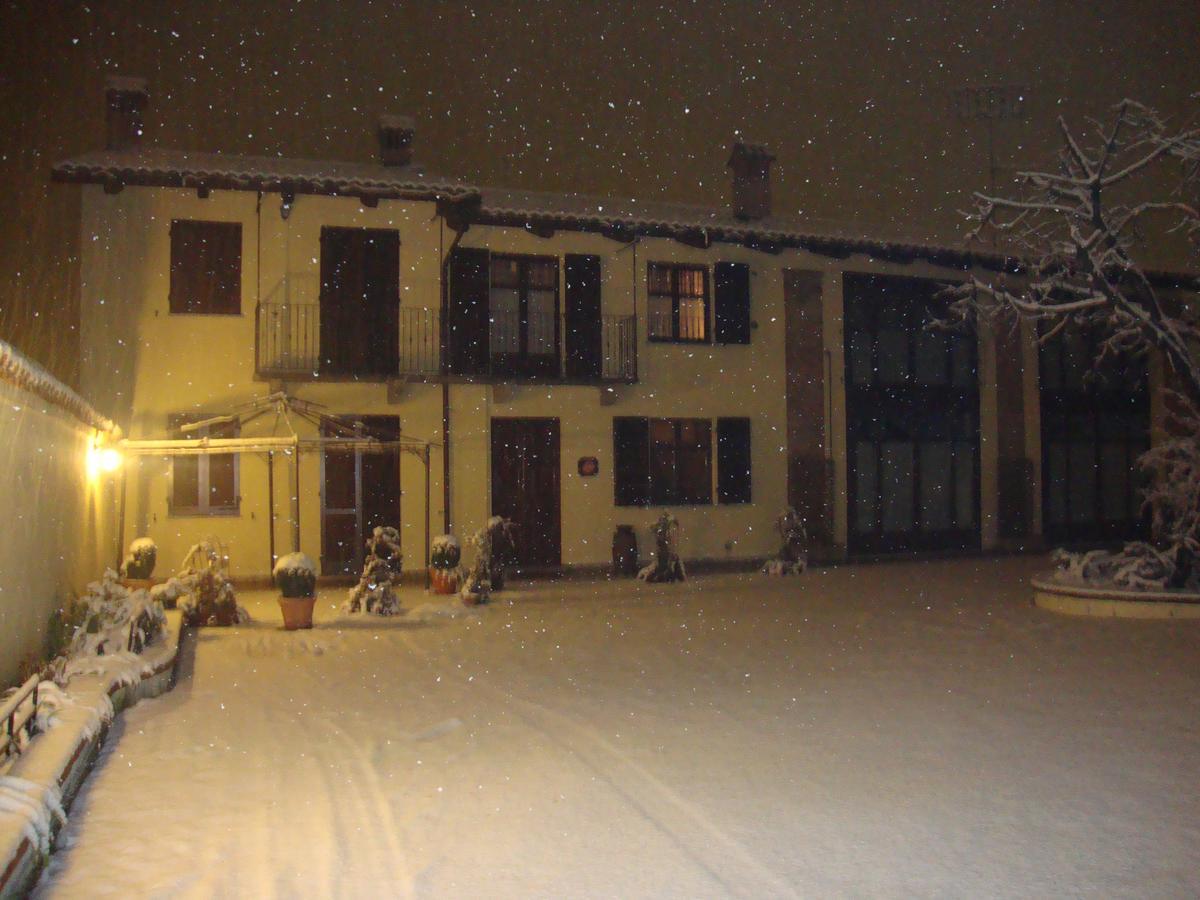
20	370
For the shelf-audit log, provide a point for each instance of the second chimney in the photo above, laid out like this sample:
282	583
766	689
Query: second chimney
395	140
125	101
751	188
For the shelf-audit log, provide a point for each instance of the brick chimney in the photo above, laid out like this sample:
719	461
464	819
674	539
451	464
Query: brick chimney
395	140
751	188
125	100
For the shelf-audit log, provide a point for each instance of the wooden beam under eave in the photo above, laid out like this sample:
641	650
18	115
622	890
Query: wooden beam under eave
619	233
113	187
202	191
540	229
698	239
370	201
771	247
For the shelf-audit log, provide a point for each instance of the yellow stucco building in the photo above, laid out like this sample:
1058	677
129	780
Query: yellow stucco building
572	362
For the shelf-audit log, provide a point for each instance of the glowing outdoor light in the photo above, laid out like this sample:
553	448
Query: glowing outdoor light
102	460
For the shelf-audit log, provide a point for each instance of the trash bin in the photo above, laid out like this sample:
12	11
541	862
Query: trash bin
625	552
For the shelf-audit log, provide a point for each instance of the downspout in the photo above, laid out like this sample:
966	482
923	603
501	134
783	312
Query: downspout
445	259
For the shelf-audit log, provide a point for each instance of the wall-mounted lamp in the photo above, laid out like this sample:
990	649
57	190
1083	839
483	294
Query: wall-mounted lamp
102	459
287	198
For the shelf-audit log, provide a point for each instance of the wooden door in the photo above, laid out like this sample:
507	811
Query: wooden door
361	491
360	301
525	486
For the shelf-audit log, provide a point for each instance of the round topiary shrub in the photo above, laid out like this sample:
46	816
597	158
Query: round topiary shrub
296	576
139	562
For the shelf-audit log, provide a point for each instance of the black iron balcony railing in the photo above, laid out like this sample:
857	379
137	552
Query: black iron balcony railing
288	338
542	347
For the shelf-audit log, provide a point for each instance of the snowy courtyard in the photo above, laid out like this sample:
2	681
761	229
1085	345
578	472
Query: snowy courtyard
890	730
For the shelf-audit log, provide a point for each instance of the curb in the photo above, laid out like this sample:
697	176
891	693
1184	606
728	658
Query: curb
60	758
1112	603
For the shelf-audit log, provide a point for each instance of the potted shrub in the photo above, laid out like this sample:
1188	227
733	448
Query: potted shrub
495	548
206	595
296	577
375	592
444	558
139	563
667	565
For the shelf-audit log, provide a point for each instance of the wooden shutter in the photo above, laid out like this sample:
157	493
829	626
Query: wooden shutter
810	482
693	455
631	461
465	329
733	460
732	294
1014	472
584	350
206	267
360	297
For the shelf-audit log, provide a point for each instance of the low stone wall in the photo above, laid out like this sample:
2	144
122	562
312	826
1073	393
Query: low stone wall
58	761
1111	603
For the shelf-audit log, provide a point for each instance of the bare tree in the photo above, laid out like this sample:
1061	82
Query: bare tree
1077	233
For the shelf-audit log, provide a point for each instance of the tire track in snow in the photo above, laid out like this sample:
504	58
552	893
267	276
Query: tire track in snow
374	814
737	871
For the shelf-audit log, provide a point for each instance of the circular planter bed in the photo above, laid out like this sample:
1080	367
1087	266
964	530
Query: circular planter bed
1114	602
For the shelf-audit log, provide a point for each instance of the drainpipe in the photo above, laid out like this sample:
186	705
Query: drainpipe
445	263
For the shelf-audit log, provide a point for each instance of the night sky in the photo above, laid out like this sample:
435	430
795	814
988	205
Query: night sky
626	99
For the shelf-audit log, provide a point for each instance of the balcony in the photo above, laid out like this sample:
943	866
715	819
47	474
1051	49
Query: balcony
537	348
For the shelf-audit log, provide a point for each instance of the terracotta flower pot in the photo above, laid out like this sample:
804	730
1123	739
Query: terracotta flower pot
139	583
297	612
443	581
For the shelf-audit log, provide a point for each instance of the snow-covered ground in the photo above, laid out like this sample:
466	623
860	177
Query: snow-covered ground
885	730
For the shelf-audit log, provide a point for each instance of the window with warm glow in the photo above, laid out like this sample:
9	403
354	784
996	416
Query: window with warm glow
677	298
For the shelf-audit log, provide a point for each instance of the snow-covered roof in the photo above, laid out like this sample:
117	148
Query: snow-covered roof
500	206
155	167
20	370
707	224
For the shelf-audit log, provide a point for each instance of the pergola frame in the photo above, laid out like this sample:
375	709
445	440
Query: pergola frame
348	436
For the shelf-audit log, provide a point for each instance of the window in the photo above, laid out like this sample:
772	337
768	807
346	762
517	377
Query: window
677	302
206	267
662	462
733	460
1095	425
206	484
523	311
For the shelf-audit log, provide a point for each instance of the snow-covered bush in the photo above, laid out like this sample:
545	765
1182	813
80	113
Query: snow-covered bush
1080	231
793	550
139	561
667	565
375	592
210	598
111	619
295	575
445	552
495	549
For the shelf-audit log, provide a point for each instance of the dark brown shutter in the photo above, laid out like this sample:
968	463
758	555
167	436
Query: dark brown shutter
733	461
584	351
206	267
1014	473
360	298
466	315
631	459
810	481
732	295
694	460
